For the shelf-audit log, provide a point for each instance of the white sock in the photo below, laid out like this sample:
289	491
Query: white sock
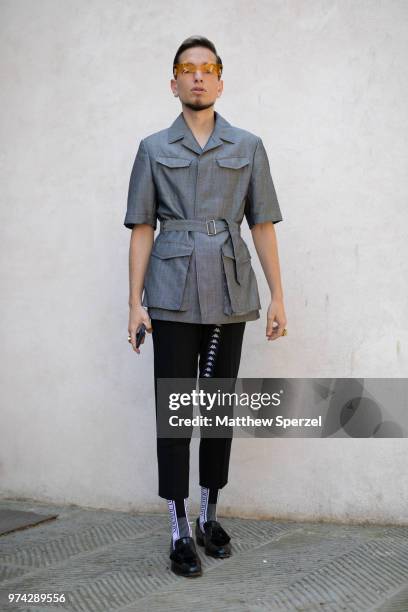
208	511
180	525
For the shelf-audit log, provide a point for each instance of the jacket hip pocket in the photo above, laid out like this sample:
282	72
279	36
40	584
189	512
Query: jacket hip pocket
166	274
243	295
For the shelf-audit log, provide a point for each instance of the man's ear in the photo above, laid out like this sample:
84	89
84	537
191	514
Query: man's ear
173	86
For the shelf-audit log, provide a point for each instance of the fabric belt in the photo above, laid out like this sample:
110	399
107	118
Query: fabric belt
211	227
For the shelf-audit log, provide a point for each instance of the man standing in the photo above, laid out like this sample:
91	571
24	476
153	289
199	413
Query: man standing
199	177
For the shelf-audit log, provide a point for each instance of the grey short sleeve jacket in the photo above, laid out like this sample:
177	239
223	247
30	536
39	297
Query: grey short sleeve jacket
200	266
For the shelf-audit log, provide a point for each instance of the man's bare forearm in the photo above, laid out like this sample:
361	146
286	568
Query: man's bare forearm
266	246
141	243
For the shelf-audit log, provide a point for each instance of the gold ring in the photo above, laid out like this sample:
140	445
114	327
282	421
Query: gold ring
284	332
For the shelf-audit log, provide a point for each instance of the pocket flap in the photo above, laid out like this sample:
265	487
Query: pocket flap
173	162
168	249
233	162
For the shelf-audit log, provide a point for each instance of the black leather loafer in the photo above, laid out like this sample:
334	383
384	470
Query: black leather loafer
215	539
184	558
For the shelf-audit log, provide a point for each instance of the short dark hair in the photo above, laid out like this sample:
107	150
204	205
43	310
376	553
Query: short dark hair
196	41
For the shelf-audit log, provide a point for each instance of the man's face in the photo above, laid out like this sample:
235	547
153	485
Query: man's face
211	87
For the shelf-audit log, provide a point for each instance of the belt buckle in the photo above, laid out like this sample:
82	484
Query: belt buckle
215	229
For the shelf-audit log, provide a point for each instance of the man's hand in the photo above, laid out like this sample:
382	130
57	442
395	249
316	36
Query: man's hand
276	313
137	316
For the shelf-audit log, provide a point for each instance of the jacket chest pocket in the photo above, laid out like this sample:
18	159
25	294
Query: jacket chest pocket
244	295
173	162
232	175
172	176
233	163
166	274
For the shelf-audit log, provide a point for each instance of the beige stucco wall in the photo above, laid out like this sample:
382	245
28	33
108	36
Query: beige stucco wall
324	85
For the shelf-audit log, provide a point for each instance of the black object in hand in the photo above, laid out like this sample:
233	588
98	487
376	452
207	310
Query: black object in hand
140	335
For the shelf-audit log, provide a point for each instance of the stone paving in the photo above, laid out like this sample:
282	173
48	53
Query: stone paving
105	561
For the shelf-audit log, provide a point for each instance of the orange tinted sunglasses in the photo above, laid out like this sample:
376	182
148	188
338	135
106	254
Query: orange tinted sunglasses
189	68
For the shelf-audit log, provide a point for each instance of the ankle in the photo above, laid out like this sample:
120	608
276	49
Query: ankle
208	506
180	525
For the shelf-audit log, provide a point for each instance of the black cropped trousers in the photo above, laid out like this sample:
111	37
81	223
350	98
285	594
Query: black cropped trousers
188	350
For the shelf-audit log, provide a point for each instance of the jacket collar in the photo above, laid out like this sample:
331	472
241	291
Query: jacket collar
222	131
